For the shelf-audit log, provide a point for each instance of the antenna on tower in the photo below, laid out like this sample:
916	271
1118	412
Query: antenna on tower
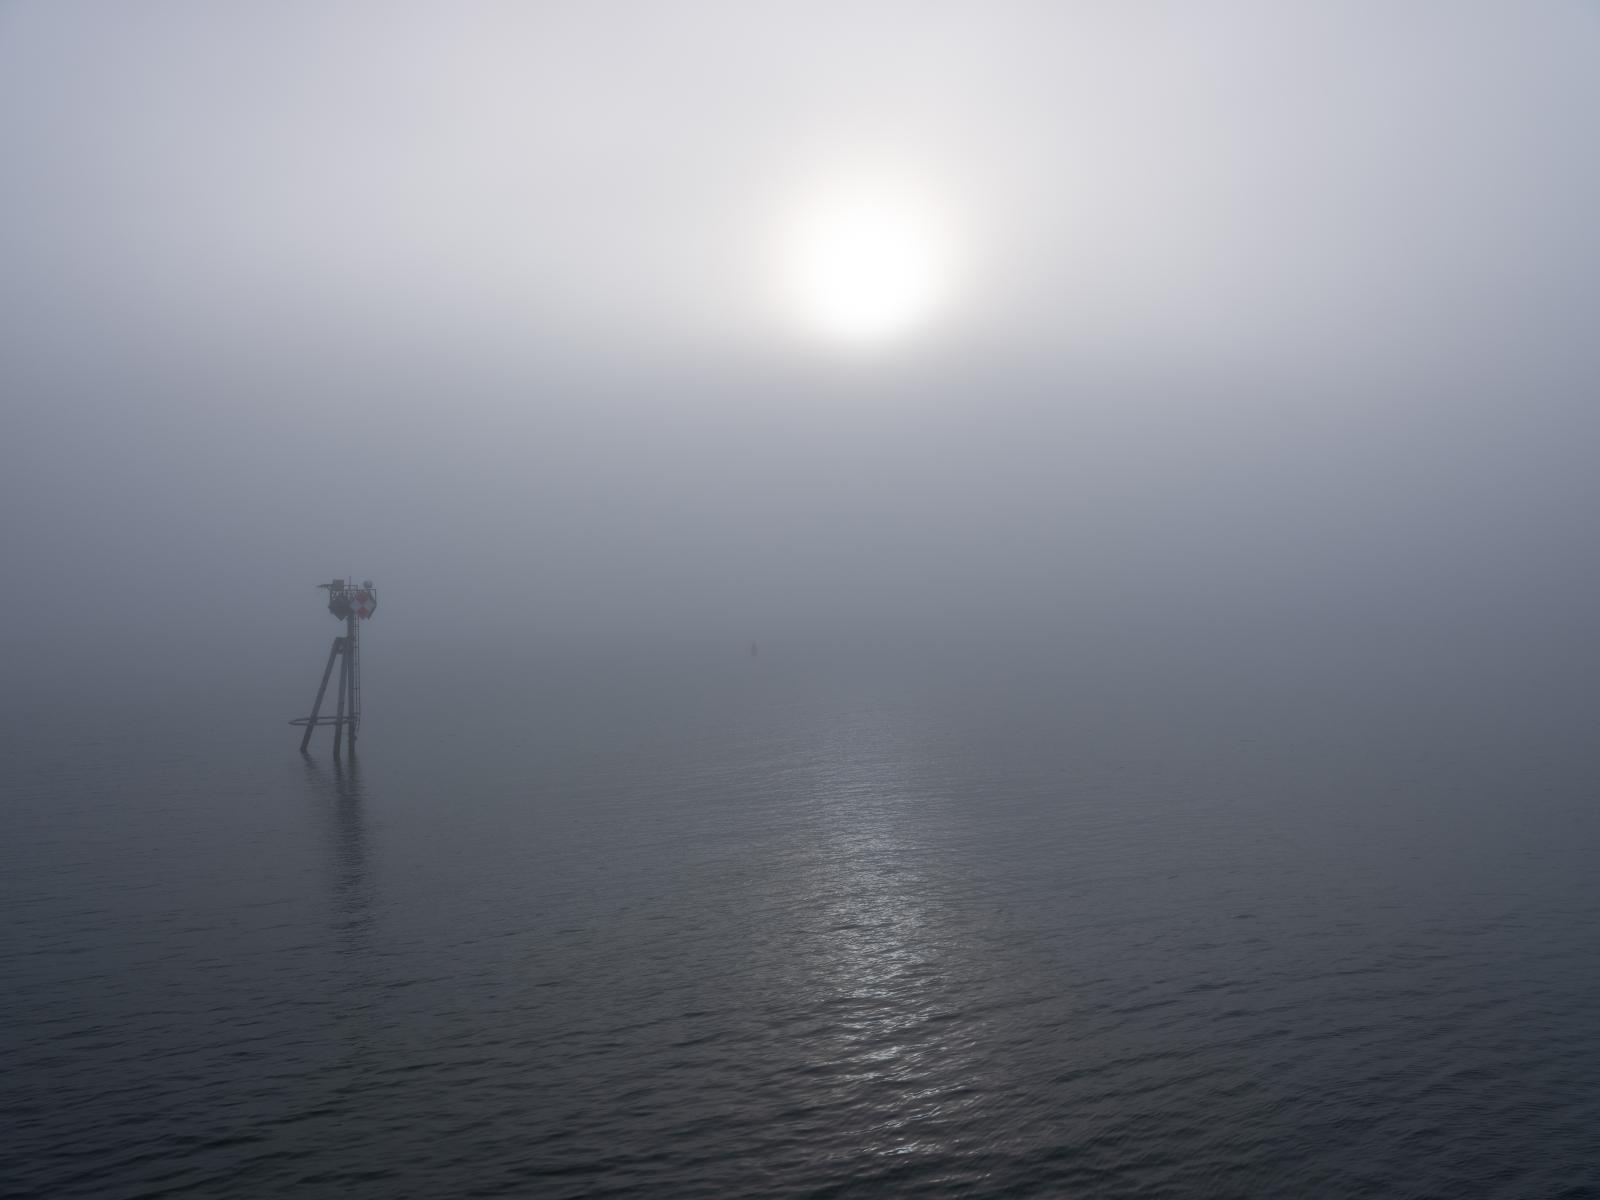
349	603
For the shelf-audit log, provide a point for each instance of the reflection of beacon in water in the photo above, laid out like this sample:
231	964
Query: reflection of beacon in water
348	603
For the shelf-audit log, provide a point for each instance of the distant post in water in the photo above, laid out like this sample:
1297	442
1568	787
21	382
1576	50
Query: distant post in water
351	604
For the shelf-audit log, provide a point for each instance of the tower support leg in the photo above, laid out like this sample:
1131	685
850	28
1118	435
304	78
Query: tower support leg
316	705
352	685
344	692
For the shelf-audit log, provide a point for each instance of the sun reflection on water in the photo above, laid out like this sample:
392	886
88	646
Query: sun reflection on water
881	949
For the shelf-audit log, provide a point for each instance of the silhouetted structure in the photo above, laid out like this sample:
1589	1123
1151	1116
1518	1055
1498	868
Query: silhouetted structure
350	604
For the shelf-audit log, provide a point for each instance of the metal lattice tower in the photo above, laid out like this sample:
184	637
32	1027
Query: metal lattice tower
351	604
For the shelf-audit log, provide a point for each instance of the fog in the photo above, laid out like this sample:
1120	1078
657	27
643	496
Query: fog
1269	317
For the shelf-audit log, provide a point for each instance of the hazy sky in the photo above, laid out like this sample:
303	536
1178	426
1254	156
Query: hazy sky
1291	306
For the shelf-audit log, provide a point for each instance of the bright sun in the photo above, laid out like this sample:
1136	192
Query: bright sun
868	264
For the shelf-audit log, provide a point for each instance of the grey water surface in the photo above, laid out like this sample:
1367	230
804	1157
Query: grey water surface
1073	920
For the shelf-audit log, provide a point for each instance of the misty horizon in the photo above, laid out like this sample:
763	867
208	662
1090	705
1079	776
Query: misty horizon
1287	309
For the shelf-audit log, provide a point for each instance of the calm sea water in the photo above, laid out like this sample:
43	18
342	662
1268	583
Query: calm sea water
691	925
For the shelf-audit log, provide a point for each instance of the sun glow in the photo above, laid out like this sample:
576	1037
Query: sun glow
868	264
